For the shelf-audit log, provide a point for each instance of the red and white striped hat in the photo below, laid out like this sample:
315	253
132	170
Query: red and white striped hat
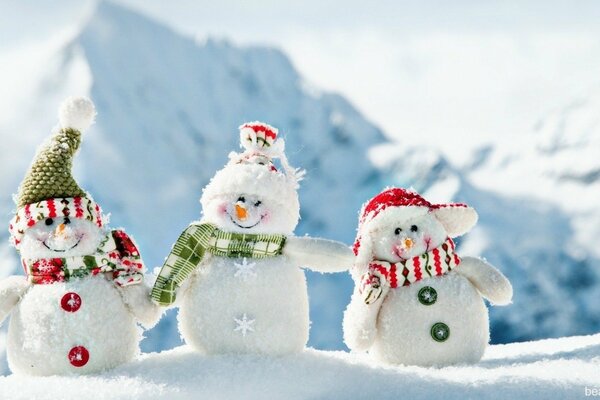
403	204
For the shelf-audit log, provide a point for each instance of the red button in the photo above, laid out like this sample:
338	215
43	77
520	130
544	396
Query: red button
70	302
79	356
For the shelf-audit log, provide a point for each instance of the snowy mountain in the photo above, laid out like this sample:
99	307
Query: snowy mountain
550	369
168	111
548	191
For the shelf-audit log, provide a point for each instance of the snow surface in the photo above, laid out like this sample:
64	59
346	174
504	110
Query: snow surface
548	369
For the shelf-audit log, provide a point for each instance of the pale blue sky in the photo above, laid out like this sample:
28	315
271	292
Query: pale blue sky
431	72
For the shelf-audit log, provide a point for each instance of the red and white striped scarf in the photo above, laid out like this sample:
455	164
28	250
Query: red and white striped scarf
435	262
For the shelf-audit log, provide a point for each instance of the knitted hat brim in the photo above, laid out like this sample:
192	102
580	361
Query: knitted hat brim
84	208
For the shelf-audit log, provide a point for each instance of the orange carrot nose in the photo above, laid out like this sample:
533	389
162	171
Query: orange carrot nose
241	212
408	243
60	230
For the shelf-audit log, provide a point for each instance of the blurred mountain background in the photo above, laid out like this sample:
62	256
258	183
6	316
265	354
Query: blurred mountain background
169	104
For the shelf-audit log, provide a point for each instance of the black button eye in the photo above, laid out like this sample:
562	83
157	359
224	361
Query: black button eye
414	228
67	221
258	203
49	221
241	199
397	231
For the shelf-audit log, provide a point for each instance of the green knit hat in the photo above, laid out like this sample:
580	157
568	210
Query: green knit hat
50	173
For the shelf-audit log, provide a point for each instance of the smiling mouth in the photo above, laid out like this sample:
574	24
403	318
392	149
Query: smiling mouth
245	227
62	251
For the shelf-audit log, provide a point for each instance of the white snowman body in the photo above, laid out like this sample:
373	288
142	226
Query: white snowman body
435	321
252	305
80	326
246	306
404	324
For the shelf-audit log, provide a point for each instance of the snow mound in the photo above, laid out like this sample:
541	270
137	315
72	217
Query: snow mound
548	369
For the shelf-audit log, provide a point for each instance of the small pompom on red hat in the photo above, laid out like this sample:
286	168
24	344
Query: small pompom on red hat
457	218
257	135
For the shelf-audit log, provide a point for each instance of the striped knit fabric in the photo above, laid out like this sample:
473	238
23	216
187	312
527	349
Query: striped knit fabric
189	250
435	262
72	207
257	134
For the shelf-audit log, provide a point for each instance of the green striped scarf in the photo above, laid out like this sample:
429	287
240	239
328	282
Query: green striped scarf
189	249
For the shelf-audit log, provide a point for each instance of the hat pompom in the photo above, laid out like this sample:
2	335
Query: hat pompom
76	113
257	135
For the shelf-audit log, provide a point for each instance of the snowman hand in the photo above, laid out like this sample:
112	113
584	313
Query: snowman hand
360	317
372	286
12	290
490	282
321	255
140	305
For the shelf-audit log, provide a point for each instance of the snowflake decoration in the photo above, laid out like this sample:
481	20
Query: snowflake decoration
73	301
244	325
245	269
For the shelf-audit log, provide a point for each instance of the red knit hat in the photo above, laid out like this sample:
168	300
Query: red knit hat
457	218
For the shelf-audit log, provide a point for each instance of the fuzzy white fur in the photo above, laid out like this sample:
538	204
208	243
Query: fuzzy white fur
275	298
77	113
271	292
11	291
82	234
41	333
456	220
396	328
254	181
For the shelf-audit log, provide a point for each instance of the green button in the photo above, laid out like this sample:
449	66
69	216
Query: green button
427	295
440	332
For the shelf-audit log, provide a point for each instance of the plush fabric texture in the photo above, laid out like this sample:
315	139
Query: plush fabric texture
435	262
423	310
189	250
117	254
42	334
457	218
73	207
257	180
50	174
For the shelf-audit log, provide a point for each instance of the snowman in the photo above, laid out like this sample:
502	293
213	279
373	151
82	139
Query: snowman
236	274
415	301
78	307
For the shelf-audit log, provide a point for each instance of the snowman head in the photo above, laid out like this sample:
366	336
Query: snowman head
399	224
61	237
250	195
55	217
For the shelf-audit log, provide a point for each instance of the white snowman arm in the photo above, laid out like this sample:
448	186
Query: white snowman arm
320	255
11	291
490	282
360	322
137	299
